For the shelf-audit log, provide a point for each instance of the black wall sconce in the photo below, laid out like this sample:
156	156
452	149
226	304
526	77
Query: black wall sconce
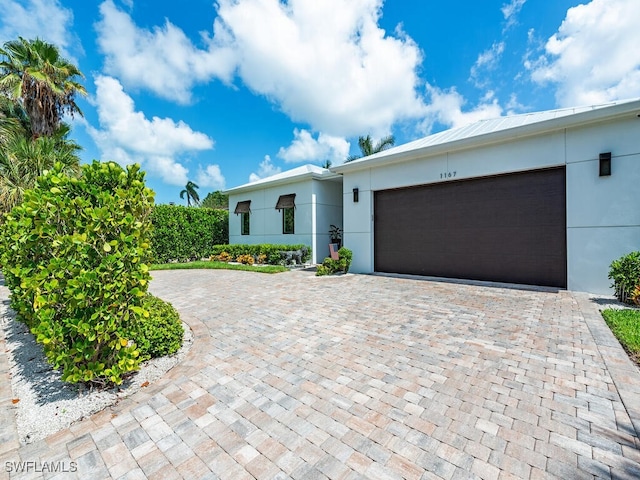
605	164
355	195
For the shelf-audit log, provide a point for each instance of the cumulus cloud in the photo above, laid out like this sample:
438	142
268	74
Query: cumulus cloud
305	148
265	169
163	60
593	58
45	19
127	136
341	74
446	109
211	177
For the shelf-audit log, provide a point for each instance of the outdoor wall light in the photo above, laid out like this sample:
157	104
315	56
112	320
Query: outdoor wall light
355	195
605	164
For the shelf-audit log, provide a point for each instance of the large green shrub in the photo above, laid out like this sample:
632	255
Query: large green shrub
187	233
625	273
161	332
75	256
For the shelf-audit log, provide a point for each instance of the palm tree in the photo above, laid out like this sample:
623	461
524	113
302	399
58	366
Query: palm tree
33	73
23	159
367	148
192	194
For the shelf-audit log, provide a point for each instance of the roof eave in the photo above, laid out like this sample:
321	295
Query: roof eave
546	126
249	187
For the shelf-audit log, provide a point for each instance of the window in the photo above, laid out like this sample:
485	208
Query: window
244	223
244	210
288	220
287	204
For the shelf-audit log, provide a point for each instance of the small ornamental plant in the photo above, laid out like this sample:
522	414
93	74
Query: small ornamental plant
245	259
75	256
330	266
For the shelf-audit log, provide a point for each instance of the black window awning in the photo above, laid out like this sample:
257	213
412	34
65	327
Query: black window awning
243	207
286	201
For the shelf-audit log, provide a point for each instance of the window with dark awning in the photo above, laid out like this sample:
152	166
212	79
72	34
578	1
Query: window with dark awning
286	201
243	207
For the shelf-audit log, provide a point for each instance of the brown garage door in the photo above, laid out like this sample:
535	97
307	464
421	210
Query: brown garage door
507	228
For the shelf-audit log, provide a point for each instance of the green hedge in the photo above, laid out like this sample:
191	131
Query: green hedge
187	233
75	256
272	251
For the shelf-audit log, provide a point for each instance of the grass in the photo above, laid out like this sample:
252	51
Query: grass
625	325
218	266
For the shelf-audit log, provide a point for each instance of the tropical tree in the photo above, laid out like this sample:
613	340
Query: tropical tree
326	164
33	73
367	148
190	190
23	159
217	200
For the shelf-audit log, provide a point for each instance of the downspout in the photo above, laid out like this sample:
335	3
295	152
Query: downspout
314	240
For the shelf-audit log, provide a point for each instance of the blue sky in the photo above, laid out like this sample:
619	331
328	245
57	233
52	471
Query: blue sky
226	92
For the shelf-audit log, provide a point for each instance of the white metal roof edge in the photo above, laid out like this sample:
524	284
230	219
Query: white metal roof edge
289	176
405	152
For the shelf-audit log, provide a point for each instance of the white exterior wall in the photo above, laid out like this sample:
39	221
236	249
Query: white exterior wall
328	212
317	202
603	213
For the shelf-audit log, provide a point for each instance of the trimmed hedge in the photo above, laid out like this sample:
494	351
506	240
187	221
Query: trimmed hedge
75	256
187	233
271	251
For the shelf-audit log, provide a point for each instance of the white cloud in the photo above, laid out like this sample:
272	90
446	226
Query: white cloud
127	136
211	177
341	73
45	19
446	108
266	169
593	58
305	148
162	60
511	11
486	62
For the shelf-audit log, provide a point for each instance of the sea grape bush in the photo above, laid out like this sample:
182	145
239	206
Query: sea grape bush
75	257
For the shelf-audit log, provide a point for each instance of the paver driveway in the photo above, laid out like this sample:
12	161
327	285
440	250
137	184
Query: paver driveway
296	376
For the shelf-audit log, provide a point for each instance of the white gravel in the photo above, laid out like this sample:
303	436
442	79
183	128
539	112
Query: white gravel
46	404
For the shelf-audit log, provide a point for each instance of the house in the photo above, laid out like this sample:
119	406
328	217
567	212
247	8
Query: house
547	198
293	207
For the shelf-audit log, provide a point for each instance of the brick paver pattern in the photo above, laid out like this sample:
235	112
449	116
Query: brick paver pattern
367	377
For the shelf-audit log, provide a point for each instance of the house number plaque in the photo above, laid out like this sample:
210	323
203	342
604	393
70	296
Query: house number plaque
445	175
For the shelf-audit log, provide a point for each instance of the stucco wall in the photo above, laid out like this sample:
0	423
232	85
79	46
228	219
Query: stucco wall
316	201
603	214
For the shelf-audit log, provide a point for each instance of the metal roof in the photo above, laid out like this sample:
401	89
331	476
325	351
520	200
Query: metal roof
290	176
493	131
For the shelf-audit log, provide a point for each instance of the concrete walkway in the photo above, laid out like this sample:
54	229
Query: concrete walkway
353	377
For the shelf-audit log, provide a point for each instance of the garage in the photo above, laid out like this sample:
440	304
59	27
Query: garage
504	228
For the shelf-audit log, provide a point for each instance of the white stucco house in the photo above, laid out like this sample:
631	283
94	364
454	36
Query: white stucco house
547	198
292	207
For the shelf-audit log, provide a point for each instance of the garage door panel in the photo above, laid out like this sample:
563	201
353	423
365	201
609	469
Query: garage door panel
509	228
